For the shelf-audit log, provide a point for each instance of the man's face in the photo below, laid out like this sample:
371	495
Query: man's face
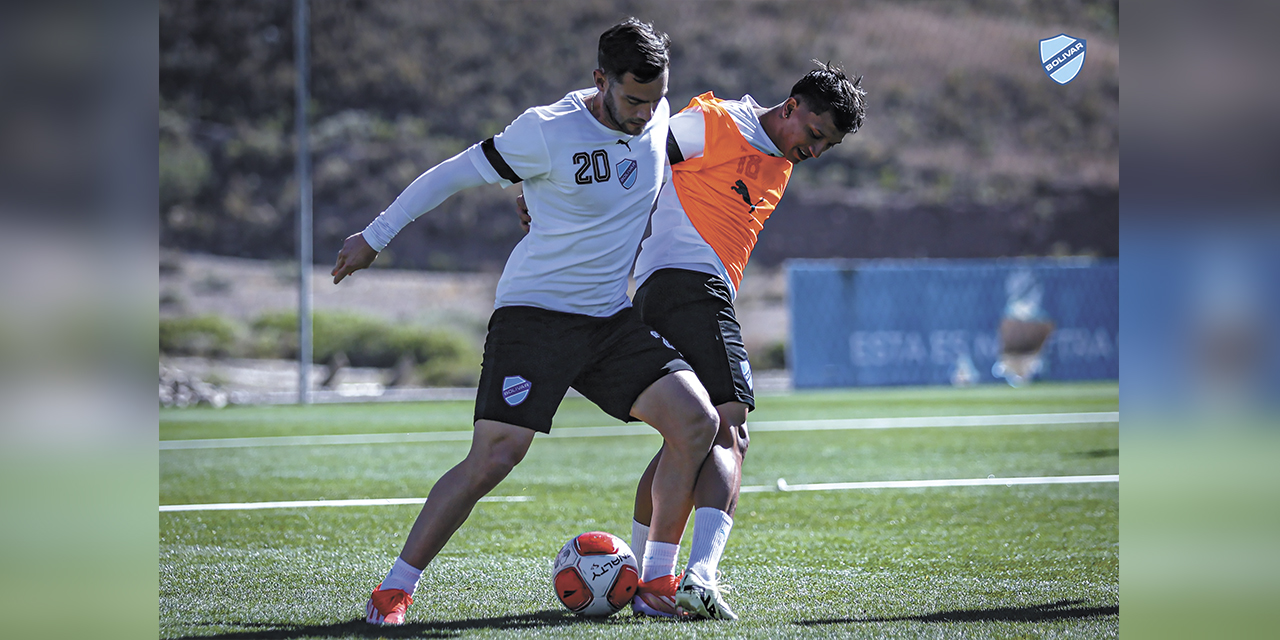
630	104
806	134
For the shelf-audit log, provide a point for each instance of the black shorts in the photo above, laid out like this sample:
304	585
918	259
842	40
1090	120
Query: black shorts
695	312
532	356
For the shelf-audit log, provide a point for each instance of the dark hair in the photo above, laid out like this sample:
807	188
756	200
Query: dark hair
827	88
633	47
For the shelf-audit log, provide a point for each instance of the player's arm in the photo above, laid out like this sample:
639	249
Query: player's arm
519	152
686	136
424	194
522	210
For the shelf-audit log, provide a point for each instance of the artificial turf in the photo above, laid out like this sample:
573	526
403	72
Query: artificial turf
991	561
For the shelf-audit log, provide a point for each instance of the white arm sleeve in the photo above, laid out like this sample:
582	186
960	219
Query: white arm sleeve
689	127
424	194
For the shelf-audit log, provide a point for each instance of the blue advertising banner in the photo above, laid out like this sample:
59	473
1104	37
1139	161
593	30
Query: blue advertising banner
919	322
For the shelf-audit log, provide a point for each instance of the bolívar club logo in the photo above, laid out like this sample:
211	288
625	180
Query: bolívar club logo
515	389
1062	56
627	172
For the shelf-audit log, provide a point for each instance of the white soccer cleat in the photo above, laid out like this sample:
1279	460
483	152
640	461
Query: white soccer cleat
703	599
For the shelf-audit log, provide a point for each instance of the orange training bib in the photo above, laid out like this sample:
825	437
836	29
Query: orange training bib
731	189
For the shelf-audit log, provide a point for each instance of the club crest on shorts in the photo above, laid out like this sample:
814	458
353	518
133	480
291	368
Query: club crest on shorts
515	389
627	172
664	340
1062	56
746	373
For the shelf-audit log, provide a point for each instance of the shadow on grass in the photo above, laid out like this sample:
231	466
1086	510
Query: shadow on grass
1098	453
359	629
1061	610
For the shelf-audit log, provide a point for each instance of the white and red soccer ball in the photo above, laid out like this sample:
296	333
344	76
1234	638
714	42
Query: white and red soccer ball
595	574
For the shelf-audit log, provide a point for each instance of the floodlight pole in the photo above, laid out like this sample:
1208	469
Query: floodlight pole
301	41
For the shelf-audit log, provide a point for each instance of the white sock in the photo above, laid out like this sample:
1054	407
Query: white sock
710	533
403	576
659	560
639	536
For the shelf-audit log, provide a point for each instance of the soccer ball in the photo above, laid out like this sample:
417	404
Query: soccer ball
595	574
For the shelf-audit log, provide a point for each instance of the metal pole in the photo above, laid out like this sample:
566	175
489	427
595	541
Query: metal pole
301	40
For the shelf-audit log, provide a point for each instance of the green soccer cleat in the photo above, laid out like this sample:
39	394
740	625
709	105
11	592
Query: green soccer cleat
703	599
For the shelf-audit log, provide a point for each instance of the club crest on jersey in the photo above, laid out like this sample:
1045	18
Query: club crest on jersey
627	172
746	373
515	389
1062	56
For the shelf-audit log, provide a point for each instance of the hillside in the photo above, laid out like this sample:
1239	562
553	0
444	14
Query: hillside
969	149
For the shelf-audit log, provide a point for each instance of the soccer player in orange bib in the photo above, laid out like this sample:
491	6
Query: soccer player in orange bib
730	163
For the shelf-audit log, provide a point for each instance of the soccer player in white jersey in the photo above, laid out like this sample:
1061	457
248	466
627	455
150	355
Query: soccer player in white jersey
592	165
730	162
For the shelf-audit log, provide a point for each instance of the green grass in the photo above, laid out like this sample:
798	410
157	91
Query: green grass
1022	561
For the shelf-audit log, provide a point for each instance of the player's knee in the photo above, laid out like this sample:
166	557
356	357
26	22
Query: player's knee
494	471
742	437
704	427
733	426
698	432
497	464
726	435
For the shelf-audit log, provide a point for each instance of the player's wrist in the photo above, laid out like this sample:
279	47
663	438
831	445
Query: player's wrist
385	227
370	238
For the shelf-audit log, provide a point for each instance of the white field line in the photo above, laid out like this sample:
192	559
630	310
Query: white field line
780	486
1034	419
307	504
919	484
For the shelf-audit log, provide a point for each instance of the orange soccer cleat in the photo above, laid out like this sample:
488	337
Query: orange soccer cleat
387	606
657	598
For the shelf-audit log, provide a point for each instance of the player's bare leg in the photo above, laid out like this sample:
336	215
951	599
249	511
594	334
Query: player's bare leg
679	408
496	448
676	405
722	469
719	477
716	499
